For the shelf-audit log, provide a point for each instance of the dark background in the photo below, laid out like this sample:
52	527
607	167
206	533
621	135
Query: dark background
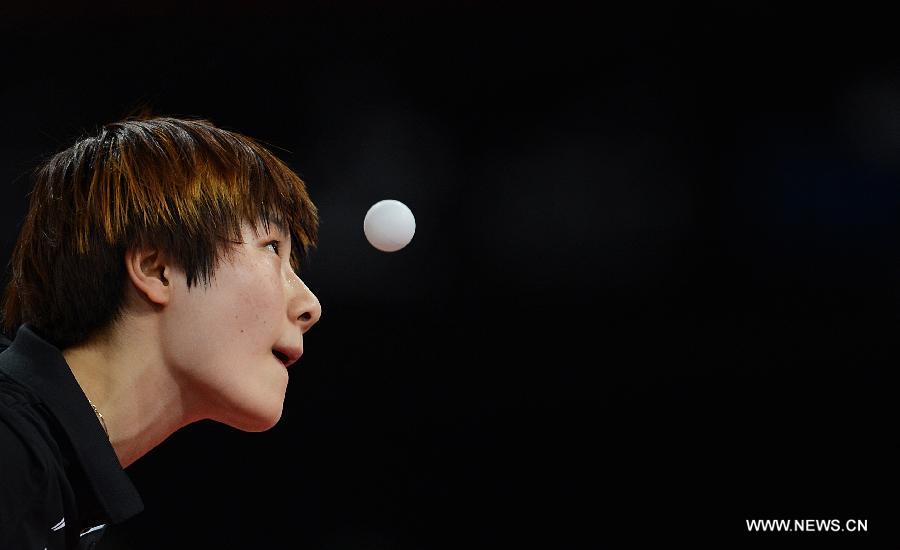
653	286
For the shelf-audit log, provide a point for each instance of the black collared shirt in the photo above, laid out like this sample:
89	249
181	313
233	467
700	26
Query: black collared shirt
60	479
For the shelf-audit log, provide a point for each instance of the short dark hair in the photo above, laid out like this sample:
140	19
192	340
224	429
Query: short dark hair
184	186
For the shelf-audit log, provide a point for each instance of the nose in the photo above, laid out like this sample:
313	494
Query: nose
307	308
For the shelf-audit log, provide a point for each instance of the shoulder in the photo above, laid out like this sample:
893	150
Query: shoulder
24	474
34	489
24	461
22	443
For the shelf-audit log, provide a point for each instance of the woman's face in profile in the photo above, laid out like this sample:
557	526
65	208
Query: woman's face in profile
220	338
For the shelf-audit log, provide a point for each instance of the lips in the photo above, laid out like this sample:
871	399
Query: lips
287	355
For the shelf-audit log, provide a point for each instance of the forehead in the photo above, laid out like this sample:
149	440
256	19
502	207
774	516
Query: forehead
275	226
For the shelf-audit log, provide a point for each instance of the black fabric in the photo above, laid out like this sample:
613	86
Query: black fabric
60	479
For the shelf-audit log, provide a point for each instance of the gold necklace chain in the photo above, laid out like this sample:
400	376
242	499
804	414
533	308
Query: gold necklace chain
100	417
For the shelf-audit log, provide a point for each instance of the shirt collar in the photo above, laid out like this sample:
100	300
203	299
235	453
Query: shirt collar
41	367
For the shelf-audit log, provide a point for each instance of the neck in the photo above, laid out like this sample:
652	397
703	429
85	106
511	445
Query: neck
141	403
100	418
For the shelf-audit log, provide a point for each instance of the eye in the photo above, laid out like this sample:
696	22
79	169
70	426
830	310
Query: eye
274	244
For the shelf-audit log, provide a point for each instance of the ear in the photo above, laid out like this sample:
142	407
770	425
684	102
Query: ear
149	273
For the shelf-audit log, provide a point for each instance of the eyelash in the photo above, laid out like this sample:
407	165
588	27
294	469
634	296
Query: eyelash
277	243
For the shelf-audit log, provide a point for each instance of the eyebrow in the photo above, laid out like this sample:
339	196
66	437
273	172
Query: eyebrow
279	226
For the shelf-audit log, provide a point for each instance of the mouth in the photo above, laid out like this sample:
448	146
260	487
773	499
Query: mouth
287	357
281	357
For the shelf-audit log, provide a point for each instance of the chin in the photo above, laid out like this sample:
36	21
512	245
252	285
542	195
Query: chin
257	418
259	423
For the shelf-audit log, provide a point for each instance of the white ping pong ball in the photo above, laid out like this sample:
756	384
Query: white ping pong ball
389	225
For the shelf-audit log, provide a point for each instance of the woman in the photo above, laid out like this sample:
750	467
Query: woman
117	345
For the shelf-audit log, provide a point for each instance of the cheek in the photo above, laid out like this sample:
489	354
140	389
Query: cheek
238	315
248	312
